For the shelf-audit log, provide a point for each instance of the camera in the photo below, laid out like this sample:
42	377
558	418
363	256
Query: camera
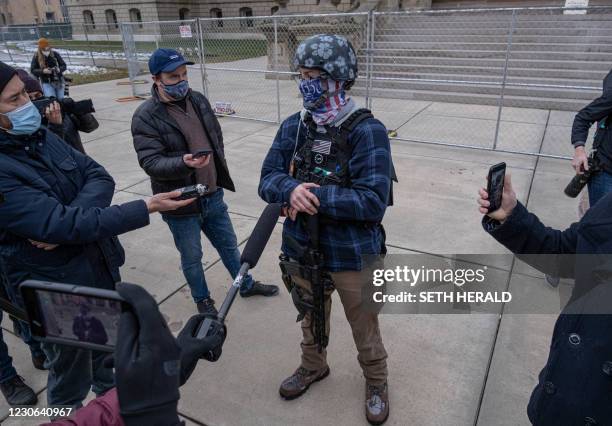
579	181
67	105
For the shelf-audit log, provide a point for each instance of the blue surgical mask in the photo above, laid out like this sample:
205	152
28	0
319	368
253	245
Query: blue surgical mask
313	92
25	119
177	91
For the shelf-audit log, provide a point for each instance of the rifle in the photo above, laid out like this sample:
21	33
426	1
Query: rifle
318	280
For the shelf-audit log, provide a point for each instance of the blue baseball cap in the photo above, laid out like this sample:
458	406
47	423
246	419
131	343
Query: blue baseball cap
166	60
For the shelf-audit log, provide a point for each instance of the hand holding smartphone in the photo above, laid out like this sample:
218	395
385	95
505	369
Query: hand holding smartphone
495	185
67	314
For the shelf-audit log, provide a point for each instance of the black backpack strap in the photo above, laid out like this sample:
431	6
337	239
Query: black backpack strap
349	125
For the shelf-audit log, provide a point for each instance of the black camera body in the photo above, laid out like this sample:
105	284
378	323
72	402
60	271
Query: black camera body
67	105
579	181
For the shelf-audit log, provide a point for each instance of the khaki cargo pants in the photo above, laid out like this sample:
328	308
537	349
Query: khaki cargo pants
364	324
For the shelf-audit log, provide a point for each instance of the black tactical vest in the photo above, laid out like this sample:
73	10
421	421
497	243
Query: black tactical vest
324	157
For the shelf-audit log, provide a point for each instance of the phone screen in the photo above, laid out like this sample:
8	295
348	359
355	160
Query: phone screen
79	318
201	154
496	185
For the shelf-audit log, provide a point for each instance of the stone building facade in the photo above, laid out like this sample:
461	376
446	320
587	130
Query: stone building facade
101	18
109	12
31	12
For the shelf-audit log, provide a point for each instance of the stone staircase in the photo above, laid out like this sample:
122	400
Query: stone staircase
460	57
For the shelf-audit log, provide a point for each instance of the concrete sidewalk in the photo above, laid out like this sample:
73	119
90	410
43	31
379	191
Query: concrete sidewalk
444	369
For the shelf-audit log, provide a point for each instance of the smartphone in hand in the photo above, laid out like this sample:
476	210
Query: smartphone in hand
201	153
495	185
82	317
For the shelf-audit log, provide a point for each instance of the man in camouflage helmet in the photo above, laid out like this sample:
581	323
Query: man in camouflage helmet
331	161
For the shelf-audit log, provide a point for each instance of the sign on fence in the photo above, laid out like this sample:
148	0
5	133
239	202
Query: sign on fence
185	31
224	108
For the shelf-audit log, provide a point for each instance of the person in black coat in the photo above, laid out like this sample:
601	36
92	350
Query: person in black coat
57	224
600	111
88	328
62	124
168	129
575	385
48	65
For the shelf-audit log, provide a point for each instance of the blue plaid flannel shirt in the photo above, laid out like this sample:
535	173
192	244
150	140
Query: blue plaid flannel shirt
366	200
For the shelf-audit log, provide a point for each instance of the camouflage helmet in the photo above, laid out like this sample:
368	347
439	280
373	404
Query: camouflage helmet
330	53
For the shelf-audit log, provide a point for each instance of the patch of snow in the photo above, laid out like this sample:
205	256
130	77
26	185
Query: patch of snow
72	69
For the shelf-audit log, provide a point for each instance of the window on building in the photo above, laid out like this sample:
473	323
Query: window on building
3	19
274	10
135	16
218	14
50	16
111	19
246	12
89	19
183	14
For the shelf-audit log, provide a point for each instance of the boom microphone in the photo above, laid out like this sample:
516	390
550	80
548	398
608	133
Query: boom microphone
261	234
250	256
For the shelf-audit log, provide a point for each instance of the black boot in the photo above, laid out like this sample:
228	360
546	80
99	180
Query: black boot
207	306
259	289
16	392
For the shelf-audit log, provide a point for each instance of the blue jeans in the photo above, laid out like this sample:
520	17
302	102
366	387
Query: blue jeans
599	185
72	372
7	371
54	90
215	223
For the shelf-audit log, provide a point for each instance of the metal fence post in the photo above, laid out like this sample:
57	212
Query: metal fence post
131	56
89	45
369	40
505	77
8	50
278	105
202	57
67	50
110	48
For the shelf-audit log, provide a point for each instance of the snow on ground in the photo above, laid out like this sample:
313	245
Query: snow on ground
72	69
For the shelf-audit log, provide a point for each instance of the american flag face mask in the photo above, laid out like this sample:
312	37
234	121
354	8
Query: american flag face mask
323	98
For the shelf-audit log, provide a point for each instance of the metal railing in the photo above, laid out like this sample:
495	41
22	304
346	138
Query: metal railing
508	80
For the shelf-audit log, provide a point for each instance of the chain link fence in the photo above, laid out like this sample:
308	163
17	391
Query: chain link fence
81	46
508	80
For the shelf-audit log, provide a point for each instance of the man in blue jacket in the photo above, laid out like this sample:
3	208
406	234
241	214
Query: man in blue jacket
333	160
575	385
57	224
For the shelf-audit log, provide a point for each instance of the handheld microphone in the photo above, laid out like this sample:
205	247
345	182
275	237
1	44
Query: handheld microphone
250	256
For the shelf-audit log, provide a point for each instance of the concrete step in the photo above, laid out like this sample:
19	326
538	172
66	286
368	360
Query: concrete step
479	99
478	30
487	89
401	24
497	54
488	72
502	37
502	46
491	78
523	17
380	59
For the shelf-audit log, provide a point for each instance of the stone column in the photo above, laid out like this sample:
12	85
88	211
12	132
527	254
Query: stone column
327	6
282	7
416	4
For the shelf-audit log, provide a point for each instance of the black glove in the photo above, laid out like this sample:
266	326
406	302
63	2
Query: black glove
193	349
147	363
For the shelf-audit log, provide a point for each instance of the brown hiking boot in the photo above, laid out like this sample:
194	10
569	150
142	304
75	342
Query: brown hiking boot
377	404
298	383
